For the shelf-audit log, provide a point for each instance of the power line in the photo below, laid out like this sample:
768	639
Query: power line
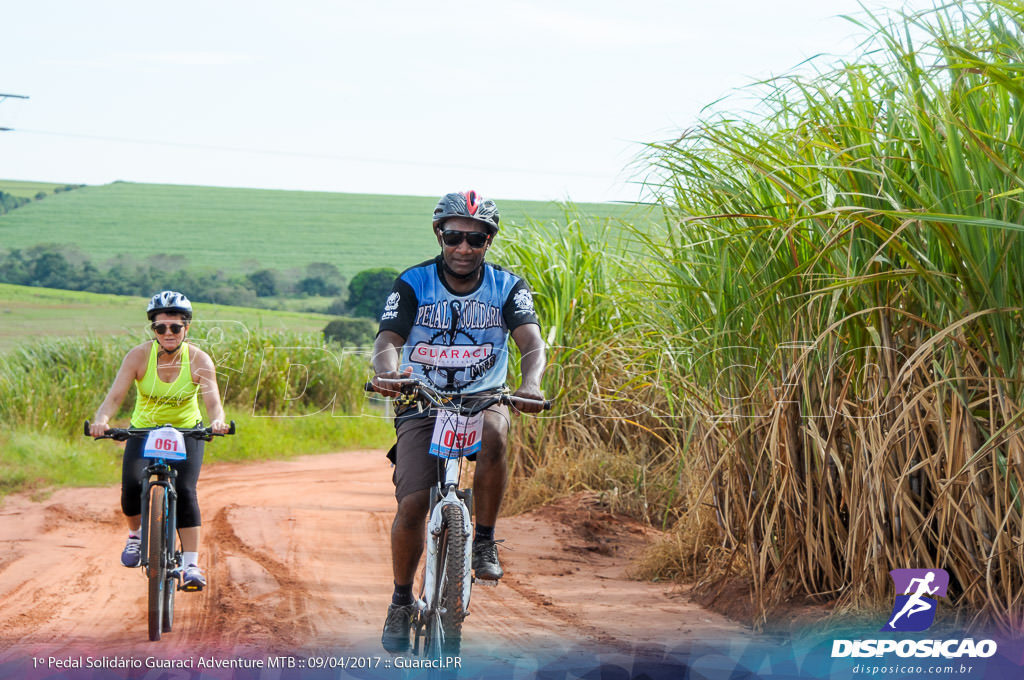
306	154
4	96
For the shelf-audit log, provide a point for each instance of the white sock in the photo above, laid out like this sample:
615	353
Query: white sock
135	533
188	558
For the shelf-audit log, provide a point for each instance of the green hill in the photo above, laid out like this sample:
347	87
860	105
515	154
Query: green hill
28	313
241	230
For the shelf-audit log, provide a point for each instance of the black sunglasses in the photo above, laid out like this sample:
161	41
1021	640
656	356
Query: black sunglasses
161	328
452	238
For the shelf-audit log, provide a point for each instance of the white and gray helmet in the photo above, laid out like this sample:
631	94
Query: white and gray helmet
170	302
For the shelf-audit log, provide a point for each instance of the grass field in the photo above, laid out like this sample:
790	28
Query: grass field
28	313
241	230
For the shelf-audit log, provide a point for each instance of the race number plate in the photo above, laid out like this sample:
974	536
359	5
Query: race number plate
456	436
166	443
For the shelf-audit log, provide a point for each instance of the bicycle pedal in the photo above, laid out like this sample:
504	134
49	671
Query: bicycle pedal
191	587
489	582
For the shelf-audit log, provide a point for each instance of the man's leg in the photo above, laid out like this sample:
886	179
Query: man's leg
489	482
414	475
408	533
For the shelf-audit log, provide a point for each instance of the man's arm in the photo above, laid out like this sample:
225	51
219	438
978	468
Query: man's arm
387	355
534	361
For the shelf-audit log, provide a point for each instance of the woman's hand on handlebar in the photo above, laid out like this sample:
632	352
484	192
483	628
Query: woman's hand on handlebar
97	429
220	427
390	390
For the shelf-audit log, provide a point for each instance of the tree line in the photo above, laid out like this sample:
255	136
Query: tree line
9	202
67	268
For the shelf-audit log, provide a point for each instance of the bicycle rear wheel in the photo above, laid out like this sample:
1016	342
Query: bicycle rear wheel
157	559
443	624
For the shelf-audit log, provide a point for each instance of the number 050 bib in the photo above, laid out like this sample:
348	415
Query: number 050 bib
456	436
166	443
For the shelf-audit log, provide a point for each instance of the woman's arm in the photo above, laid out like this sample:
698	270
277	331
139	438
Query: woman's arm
133	367
204	374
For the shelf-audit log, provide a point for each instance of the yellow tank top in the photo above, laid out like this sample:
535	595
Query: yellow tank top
159	403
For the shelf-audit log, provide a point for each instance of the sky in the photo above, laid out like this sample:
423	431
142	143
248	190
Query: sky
523	99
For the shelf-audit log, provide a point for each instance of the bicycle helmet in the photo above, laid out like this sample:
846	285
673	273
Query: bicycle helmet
467	204
170	302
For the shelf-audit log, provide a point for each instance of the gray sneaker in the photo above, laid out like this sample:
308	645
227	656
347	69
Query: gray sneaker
132	555
485	560
192	579
397	628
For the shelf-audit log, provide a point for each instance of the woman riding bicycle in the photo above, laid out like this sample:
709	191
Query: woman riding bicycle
169	375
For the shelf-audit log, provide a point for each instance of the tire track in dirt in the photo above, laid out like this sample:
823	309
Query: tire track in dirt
261	598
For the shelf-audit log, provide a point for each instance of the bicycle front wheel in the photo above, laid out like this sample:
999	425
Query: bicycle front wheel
157	559
443	625
170	584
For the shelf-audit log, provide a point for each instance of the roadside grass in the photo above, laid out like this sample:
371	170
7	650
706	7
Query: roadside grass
33	461
291	393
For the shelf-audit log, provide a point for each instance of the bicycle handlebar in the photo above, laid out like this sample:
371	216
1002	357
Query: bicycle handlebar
417	387
121	434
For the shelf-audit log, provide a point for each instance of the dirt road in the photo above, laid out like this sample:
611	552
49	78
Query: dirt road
296	554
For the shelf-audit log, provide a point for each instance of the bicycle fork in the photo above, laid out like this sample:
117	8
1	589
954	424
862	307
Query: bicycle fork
434	527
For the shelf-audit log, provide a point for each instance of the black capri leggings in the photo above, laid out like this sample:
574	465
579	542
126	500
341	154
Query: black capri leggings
133	468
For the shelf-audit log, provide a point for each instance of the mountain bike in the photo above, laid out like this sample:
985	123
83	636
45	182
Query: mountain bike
447	582
160	557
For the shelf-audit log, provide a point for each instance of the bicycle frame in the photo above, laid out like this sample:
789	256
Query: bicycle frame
445	494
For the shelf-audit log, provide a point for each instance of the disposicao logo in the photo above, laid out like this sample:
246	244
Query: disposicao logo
914	609
917	593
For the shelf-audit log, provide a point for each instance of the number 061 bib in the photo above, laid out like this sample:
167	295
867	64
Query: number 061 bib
456	436
166	443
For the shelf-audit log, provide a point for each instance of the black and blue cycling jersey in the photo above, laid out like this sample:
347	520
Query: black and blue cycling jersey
457	343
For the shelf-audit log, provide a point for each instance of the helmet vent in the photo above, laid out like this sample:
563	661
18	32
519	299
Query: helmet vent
472	202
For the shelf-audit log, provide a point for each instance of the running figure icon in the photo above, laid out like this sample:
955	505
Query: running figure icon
917	601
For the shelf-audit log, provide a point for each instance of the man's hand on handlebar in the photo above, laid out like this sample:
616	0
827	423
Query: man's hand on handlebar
535	397
390	389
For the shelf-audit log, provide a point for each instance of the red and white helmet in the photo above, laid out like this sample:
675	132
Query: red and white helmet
467	204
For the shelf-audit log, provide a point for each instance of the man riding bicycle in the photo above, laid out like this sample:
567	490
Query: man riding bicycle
169	375
447	322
